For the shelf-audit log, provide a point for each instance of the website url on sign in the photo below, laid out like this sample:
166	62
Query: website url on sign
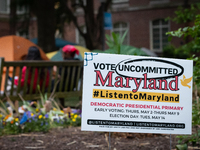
136	123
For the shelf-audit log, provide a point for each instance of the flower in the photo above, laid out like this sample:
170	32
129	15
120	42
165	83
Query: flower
62	111
73	119
16	119
12	122
32	114
69	114
28	114
37	110
74	111
46	116
6	117
34	118
1	115
75	116
54	109
40	116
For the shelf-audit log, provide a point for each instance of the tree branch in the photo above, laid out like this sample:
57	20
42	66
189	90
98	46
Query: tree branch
73	17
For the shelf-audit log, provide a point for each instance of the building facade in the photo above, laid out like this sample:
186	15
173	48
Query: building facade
4	18
145	21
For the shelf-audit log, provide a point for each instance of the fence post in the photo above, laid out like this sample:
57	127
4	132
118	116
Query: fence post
1	71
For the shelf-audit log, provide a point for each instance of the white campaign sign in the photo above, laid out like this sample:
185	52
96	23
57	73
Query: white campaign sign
123	93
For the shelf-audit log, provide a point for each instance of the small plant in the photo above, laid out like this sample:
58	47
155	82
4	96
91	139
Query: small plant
38	123
195	137
11	127
75	120
45	114
115	44
115	41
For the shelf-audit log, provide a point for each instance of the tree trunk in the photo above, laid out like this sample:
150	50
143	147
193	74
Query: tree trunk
13	17
46	24
95	36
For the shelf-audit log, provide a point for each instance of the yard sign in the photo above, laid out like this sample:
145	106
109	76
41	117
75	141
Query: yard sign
123	93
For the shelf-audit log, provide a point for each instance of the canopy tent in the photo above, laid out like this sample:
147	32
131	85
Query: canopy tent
57	55
14	48
149	52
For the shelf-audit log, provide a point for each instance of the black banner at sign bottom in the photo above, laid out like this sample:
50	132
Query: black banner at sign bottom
136	124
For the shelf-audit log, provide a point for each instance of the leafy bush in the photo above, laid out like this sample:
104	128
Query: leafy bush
182	52
114	43
194	33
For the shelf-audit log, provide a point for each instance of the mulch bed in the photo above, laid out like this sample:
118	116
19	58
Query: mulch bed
73	138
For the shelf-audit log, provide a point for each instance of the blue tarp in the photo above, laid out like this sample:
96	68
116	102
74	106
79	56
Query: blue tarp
108	21
59	42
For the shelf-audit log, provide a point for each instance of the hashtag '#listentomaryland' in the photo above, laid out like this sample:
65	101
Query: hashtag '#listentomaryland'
96	93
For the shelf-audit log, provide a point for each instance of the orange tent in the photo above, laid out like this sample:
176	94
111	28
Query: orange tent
14	48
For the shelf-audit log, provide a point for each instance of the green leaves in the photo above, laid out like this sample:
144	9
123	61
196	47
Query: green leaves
115	41
109	41
177	33
181	147
115	44
183	16
124	35
191	32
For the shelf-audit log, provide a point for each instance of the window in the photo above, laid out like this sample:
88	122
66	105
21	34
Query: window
119	1
23	33
158	37
22	9
4	6
116	4
158	1
79	39
79	9
84	2
120	28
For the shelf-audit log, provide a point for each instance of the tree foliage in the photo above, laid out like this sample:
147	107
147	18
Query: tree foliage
184	15
190	33
53	14
194	33
45	14
67	11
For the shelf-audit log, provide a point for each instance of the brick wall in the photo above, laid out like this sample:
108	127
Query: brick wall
138	15
139	24
4	28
